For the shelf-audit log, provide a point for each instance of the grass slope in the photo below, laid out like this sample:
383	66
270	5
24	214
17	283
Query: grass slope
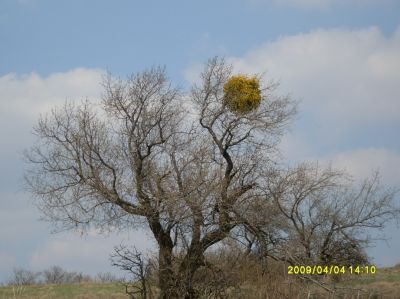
75	291
385	284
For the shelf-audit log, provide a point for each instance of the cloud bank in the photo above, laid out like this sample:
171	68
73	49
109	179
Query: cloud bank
351	76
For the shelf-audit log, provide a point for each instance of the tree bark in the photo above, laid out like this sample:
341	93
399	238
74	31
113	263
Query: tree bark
167	279
193	260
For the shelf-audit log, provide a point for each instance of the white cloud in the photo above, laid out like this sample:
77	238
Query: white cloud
24	97
28	95
362	162
347	81
345	78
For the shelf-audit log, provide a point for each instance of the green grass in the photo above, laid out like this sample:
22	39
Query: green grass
75	291
391	274
384	284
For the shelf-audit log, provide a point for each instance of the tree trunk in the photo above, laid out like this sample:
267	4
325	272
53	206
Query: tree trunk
193	260
167	279
187	282
177	285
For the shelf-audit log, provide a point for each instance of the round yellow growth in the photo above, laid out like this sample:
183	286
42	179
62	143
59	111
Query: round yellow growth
242	94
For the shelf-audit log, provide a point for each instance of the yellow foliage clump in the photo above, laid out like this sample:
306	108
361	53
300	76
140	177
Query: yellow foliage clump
242	94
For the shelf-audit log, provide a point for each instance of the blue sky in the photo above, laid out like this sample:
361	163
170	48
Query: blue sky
47	36
340	58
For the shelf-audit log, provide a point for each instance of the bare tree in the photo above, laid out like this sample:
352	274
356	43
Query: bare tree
133	262
57	275
24	277
328	218
186	169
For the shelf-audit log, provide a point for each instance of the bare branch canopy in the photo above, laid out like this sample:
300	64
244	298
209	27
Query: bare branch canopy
194	173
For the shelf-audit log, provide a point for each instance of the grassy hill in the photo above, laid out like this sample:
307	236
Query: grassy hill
383	285
81	291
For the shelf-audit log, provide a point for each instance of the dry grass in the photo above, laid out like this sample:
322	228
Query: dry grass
74	291
385	284
275	284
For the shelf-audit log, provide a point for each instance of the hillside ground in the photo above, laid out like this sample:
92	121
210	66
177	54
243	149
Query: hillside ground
385	284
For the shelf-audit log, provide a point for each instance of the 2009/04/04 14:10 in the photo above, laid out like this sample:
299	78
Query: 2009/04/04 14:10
317	269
